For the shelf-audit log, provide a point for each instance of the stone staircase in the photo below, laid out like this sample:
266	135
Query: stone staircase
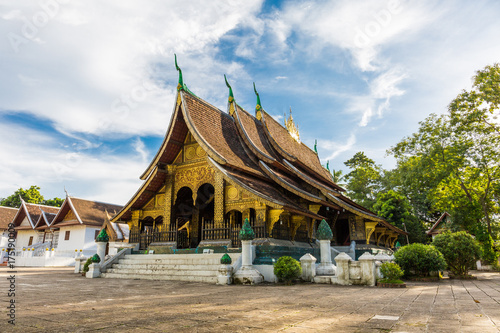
177	267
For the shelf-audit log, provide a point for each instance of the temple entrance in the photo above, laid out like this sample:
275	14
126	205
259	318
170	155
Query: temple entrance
342	232
205	209
183	216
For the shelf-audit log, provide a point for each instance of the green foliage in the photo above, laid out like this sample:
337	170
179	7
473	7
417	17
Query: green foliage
246	232
419	259
96	258
31	195
395	208
459	249
454	159
102	237
87	264
56	202
324	231
226	259
364	181
391	271
287	269
489	253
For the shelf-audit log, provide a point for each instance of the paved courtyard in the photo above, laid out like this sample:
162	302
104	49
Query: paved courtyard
57	300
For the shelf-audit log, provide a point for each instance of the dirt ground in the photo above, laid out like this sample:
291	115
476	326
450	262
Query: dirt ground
57	300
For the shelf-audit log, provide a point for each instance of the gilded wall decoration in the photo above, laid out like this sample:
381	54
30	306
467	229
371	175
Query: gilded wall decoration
218	198
193	177
232	193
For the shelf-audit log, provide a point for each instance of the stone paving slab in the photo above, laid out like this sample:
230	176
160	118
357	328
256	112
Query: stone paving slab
57	300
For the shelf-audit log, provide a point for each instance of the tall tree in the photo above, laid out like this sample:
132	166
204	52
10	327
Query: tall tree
458	154
364	181
395	209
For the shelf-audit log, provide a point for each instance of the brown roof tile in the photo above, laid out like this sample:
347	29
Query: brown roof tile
264	189
255	132
218	131
93	212
304	154
7	214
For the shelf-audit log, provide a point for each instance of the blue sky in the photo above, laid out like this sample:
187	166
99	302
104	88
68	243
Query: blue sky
87	87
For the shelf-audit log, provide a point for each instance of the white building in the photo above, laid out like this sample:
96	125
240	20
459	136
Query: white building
7	214
55	239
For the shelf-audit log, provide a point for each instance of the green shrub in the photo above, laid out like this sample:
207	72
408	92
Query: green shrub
391	272
87	264
287	269
459	249
489	252
419	259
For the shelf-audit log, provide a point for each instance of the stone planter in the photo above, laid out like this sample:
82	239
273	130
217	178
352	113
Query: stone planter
225	275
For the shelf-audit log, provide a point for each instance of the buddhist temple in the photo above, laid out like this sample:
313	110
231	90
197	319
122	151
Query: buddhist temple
215	169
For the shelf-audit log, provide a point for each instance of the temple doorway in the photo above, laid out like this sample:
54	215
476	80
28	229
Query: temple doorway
183	216
205	212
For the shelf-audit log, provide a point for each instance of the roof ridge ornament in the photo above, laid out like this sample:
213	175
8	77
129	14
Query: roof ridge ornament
258	107
180	85
316	146
291	127
230	99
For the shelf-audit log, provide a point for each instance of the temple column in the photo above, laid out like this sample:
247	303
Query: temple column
136	215
310	227
260	214
167	205
218	200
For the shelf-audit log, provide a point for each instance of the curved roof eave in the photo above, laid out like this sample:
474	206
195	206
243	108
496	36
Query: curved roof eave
252	146
290	187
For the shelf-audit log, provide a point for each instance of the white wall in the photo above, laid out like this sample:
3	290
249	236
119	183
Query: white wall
76	237
89	242
81	237
23	238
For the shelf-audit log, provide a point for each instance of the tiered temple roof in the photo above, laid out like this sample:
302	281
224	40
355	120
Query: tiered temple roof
254	153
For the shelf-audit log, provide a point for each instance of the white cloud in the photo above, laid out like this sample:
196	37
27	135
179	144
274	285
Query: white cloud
100	67
335	148
35	158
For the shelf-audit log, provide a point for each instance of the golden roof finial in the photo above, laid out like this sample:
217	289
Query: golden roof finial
291	127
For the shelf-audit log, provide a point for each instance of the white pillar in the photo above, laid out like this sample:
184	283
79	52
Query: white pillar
247	274
94	270
325	267
342	261
101	250
308	263
368	270
246	253
225	275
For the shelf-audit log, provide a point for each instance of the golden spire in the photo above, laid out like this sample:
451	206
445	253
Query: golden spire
291	127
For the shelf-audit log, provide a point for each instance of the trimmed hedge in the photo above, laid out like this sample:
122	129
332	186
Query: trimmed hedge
419	259
460	250
287	269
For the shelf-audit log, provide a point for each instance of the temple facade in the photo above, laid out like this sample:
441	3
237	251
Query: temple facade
215	169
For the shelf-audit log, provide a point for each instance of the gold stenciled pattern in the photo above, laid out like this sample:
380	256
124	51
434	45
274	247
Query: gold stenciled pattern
194	177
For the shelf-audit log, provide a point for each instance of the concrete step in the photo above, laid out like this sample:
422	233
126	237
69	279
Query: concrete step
170	273
178	267
166	267
200	256
149	261
189	278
